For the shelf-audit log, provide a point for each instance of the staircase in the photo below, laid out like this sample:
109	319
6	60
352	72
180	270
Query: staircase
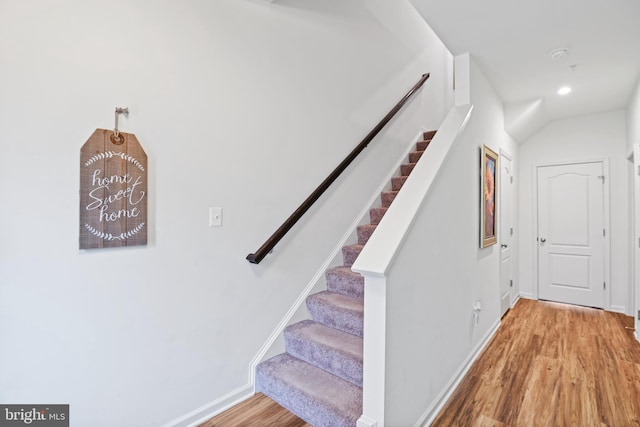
319	378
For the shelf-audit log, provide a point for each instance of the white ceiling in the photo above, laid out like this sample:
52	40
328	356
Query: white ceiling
510	40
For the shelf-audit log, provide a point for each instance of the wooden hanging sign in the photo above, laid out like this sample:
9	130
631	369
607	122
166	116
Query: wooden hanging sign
113	191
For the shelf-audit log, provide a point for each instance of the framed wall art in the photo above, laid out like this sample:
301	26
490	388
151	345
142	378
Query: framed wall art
488	193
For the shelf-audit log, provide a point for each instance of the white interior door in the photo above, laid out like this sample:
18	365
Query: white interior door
571	234
506	232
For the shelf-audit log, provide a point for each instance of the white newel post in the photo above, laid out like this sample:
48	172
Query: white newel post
374	350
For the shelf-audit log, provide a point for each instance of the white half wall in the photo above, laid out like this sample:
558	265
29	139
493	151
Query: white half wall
239	104
434	310
426	269
592	137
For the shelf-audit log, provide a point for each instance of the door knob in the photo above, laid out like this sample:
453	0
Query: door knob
503	245
543	240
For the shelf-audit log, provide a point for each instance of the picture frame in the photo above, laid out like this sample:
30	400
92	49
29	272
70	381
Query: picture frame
488	197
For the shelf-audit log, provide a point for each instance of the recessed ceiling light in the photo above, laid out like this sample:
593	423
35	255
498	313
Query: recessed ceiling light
561	52
564	90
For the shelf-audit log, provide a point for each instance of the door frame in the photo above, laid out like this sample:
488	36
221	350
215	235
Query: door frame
606	219
513	295
635	281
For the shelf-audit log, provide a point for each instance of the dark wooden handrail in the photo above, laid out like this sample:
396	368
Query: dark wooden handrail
256	257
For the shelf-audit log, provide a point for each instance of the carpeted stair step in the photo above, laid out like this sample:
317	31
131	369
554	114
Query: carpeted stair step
422	145
397	182
429	134
376	214
387	197
342	280
327	348
350	253
337	311
414	156
364	232
406	168
316	396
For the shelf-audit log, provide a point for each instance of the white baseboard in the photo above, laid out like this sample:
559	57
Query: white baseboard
527	295
514	302
366	422
618	309
434	409
210	410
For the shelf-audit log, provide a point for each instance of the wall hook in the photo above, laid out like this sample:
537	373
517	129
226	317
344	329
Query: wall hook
119	110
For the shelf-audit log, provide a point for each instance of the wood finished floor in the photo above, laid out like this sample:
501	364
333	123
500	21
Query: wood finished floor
258	411
552	365
548	365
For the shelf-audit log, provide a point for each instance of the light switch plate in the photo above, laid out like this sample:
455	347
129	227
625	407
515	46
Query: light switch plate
215	217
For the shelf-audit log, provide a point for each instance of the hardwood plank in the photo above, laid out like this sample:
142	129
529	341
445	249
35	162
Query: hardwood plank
543	389
552	364
257	411
484	421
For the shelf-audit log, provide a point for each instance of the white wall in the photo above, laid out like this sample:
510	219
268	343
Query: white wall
633	118
593	137
440	272
239	104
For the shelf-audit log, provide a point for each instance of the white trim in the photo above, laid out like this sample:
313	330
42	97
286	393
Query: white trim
366	422
513	303
210	410
606	222
618	309
534	238
374	351
607	240
434	409
504	153
527	295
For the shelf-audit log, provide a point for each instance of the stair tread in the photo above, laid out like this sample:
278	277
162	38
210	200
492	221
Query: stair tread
355	245
367	226
422	145
344	281
316	396
330	349
387	197
339	300
397	182
429	134
414	156
406	168
338	311
342	342
350	253
376	214
346	271
364	233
